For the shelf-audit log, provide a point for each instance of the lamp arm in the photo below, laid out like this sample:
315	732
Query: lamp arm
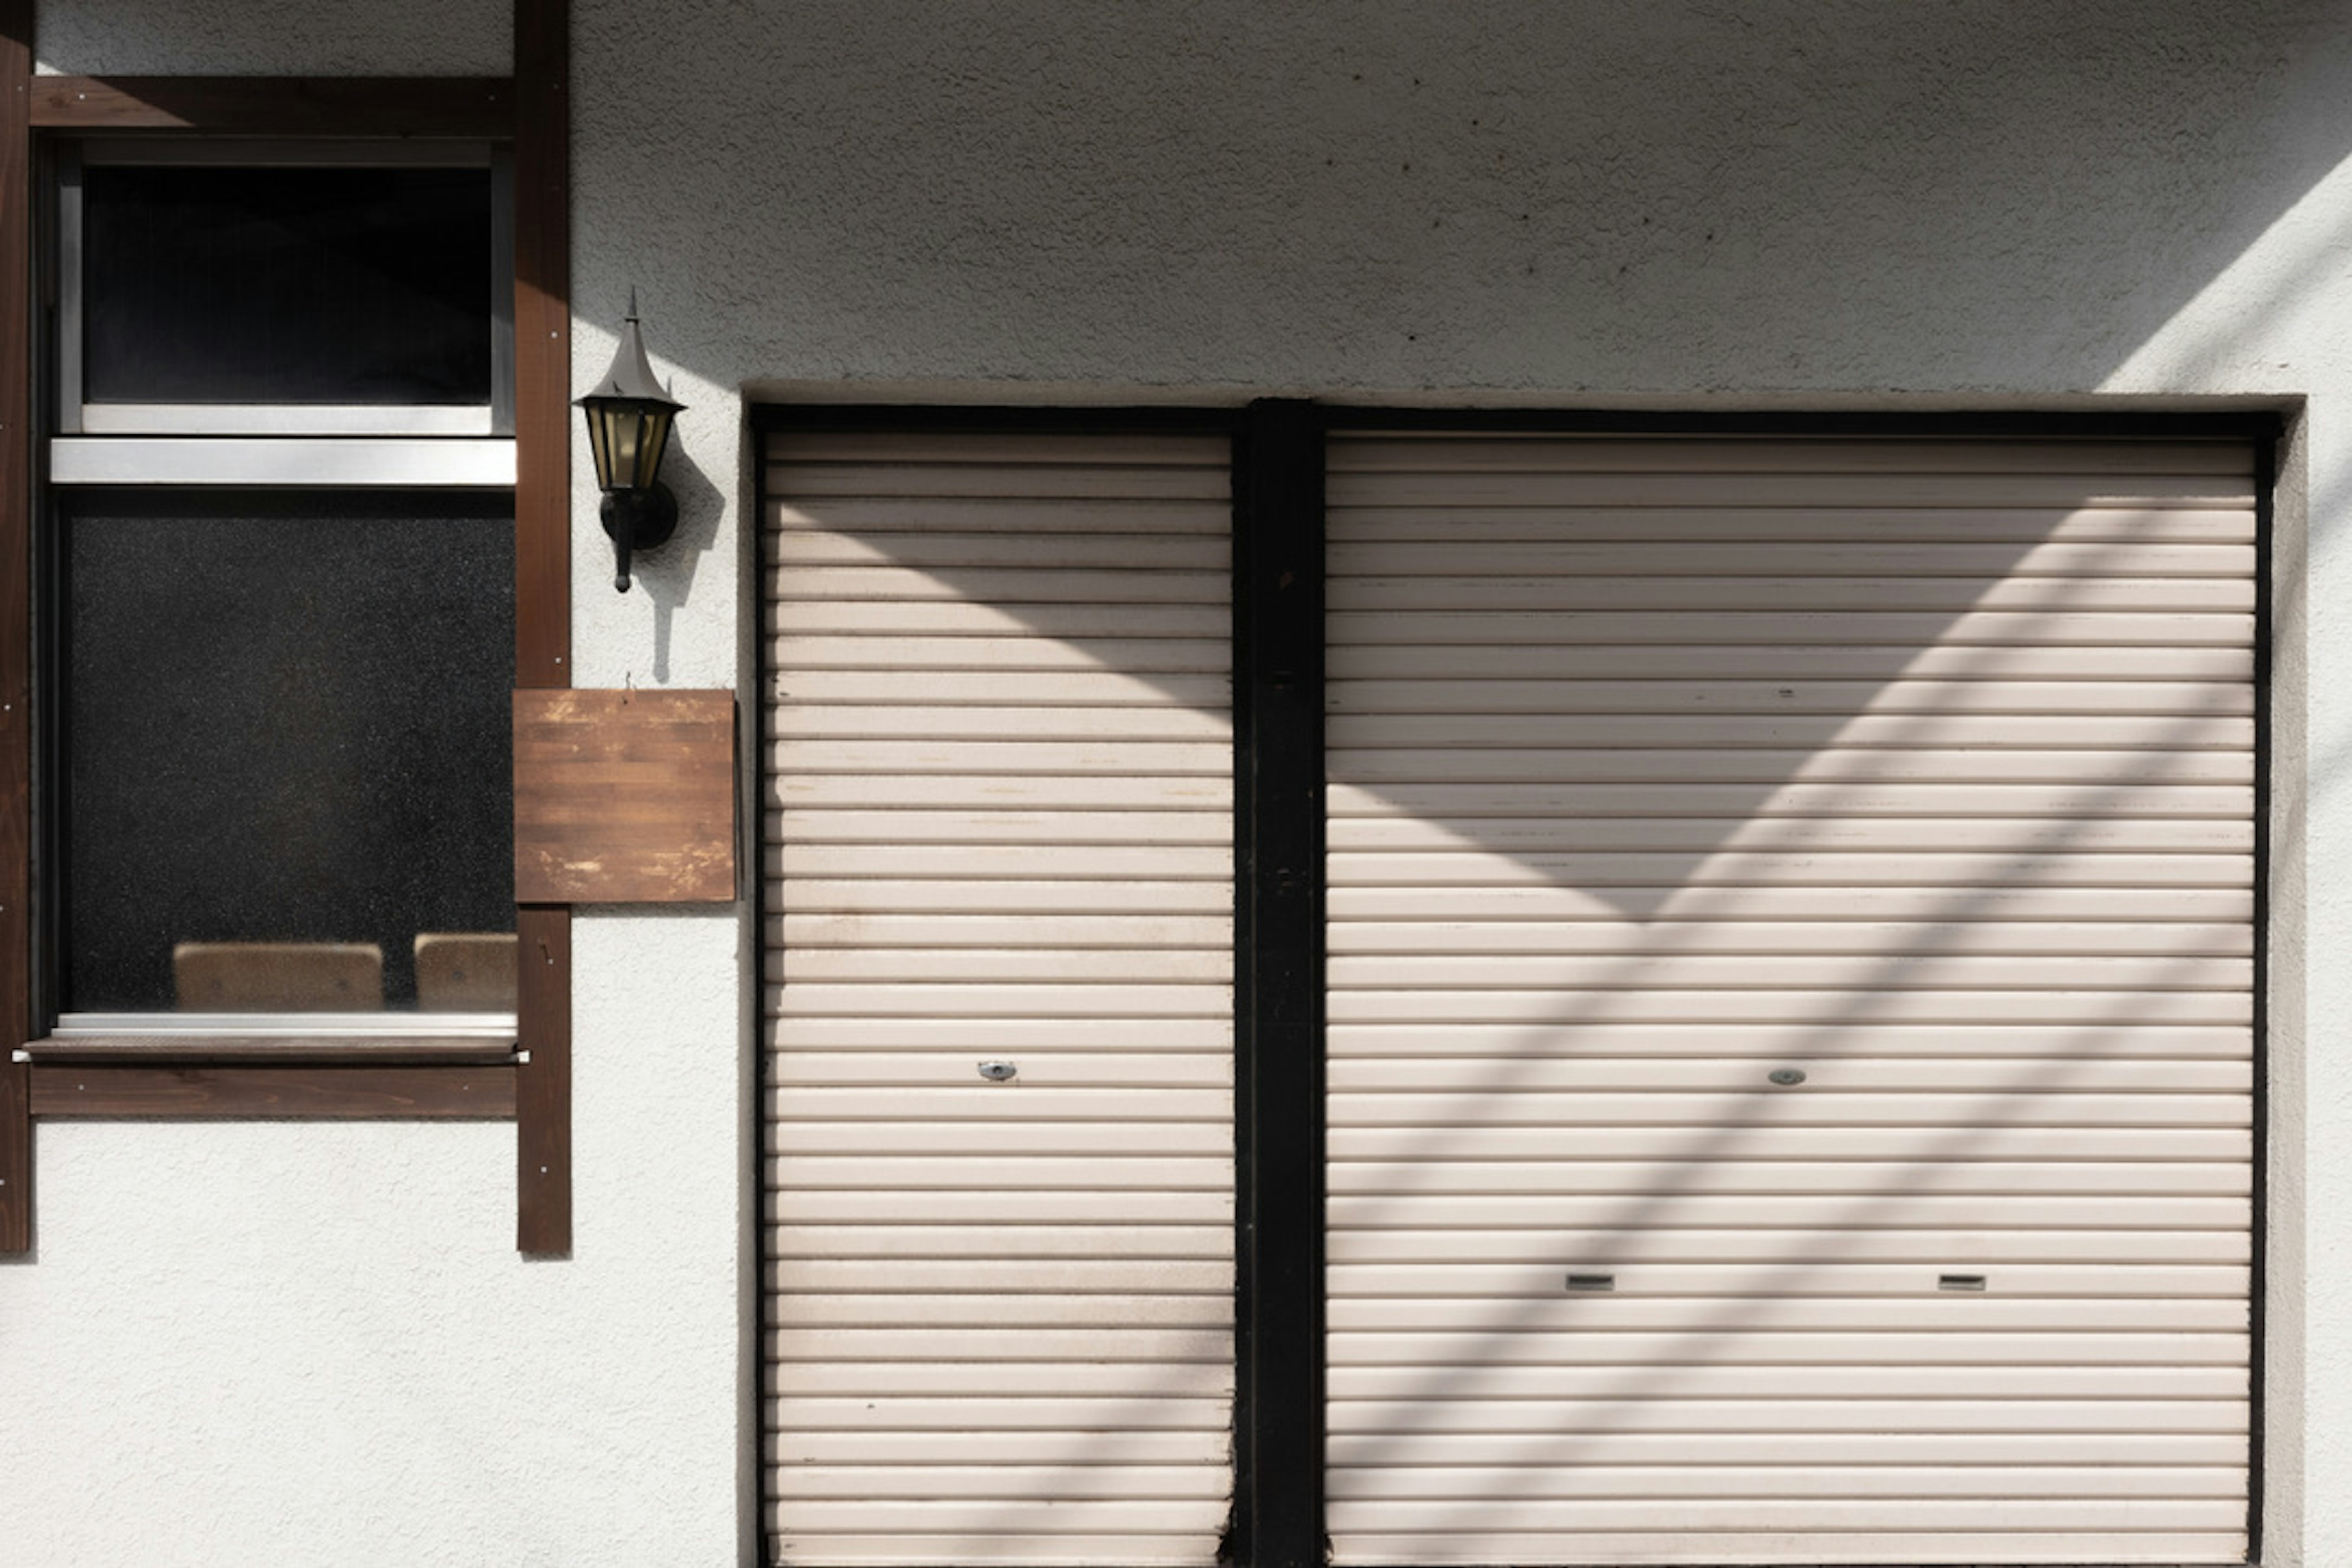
619	515
637	519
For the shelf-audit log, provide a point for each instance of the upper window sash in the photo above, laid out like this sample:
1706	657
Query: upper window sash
78	415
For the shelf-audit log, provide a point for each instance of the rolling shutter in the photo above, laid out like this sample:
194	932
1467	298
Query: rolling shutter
1664	771
999	783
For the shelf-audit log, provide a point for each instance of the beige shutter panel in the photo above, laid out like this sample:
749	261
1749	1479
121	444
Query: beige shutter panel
999	828
1660	768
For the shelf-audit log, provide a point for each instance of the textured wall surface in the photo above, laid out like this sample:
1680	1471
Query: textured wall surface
271	1342
256	1344
1802	204
276	1343
274	37
1673	201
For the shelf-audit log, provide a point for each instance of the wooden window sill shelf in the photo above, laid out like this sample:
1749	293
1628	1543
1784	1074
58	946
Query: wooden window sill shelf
389	1077
420	1049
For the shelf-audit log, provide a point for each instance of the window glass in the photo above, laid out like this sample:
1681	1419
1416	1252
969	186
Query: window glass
304	285
285	742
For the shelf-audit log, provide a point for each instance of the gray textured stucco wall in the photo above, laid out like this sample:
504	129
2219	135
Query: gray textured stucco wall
289	1342
275	38
1675	200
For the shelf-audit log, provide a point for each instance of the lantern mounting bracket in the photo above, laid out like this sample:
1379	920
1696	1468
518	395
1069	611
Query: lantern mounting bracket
637	519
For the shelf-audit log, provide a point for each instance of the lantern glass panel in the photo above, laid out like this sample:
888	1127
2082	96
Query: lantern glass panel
651	441
611	432
628	438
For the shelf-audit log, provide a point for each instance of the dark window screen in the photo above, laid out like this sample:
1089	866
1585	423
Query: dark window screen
285	717
303	284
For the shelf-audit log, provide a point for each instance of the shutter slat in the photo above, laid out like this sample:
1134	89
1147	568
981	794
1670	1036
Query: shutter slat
972	965
2121	769
1792	661
985	1138
1954	1348
1671	593
1028	1309
1067	1449
1672	484
1376	1143
927	687
1684	938
888	1035
1051	828
965	1206
1885	970
1901	1180
1128	660
1766	1515
938	473
2089	1009
1457	1548
796	722
1024	515
1918	731
1412	452
1362	1451
2128	1214
1842	698
1443	555
873	620
989	548
1701	1315
1766	628
1038	1070
1604	1418
1034	1240
1933	906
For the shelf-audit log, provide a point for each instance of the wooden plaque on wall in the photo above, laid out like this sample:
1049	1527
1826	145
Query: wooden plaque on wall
624	797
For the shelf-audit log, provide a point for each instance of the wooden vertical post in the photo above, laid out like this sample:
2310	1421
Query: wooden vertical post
16	622
1278	836
542	303
543	1083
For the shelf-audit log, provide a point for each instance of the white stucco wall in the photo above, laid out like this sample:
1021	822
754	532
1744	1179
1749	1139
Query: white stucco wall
290	1343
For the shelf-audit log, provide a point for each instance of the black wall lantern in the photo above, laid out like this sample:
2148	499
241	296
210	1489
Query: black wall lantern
629	417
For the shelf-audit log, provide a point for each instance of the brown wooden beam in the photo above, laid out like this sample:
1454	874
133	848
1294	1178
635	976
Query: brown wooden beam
16	622
327	1093
278	106
542	157
543	1081
543	347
